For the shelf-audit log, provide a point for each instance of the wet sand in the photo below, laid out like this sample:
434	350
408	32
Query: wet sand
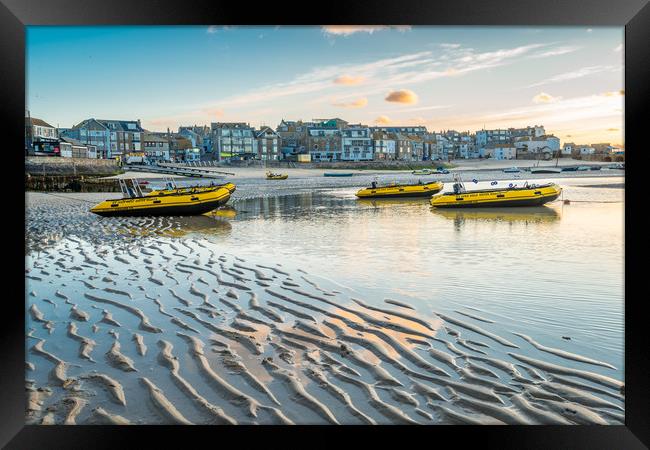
141	321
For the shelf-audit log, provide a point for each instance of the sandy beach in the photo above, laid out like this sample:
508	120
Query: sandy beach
144	321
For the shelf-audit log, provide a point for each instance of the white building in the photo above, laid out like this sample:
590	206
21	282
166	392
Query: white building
568	148
356	143
499	151
543	144
585	150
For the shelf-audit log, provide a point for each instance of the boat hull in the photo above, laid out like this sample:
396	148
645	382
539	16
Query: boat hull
164	205
337	174
417	190
498	198
545	170
283	177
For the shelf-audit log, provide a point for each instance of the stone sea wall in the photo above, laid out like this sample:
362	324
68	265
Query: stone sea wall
44	166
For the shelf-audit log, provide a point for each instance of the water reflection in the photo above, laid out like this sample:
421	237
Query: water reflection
391	202
538	214
176	227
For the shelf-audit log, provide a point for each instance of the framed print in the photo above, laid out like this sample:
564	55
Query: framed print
237	219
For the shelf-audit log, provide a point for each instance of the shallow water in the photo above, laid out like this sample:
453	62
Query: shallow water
504	284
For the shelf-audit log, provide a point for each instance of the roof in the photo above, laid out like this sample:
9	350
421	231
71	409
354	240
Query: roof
153	138
122	125
72	141
263	130
37	122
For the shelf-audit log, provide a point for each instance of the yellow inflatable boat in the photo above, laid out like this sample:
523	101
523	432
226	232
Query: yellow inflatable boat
395	190
276	176
527	195
181	203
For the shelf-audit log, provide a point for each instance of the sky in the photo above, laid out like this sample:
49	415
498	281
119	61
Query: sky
569	79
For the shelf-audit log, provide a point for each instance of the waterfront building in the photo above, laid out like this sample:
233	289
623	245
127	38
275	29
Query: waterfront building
499	151
40	137
125	136
91	132
200	136
177	146
156	147
324	142
568	149
538	145
429	146
356	143
584	150
192	154
113	138
602	148
417	148
403	148
233	140
73	148
384	145
268	144
484	137
293	137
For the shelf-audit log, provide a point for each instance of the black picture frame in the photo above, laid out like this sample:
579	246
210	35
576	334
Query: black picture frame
634	15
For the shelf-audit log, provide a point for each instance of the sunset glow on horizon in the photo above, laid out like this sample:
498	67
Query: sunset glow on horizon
568	79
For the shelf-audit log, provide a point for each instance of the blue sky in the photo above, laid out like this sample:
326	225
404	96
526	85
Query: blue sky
569	79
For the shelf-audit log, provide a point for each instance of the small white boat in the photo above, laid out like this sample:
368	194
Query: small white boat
512	170
548	169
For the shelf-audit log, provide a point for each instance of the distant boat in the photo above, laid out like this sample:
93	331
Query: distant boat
583	168
423	172
595	167
620	166
545	169
276	176
441	170
569	169
512	170
337	174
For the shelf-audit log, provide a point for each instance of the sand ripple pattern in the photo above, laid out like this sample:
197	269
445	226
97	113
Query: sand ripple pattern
168	330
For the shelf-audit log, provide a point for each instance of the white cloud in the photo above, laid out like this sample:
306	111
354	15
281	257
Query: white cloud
359	103
575	74
543	97
556	52
346	30
618	48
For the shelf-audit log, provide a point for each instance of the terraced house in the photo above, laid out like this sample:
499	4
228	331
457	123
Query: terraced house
233	139
356	143
268	144
324	142
113	138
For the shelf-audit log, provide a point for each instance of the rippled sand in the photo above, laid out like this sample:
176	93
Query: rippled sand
140	321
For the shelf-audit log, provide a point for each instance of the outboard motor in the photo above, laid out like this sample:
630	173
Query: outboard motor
457	188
